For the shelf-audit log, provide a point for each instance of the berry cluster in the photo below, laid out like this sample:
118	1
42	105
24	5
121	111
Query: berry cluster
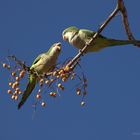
54	81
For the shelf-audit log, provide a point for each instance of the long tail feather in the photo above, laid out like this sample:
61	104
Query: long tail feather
27	92
113	42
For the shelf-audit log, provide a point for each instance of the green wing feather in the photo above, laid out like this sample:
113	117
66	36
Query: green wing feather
88	34
28	91
37	59
101	41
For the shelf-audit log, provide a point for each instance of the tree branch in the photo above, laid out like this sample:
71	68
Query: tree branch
119	8
123	10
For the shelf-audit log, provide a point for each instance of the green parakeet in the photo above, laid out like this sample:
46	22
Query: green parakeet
44	63
79	37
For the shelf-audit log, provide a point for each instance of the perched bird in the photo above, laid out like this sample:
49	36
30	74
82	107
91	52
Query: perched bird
44	63
80	37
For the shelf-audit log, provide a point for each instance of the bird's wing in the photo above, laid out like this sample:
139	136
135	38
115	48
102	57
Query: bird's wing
37	59
28	91
88	34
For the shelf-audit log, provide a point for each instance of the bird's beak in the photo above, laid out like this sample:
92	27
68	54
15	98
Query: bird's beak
65	38
58	46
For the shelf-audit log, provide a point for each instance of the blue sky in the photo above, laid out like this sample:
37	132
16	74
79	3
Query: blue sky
28	28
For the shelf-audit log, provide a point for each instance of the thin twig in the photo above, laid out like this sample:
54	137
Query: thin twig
119	8
123	11
22	64
92	41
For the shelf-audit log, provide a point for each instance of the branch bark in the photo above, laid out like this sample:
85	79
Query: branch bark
119	8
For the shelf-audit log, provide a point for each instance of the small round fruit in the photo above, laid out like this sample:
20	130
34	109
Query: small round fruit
78	91
16	83
82	103
9	91
4	65
64	79
43	104
8	67
13	97
17	78
47	81
55	73
19	92
16	97
53	94
38	96
21	75
67	68
14	86
17	89
61	72
13	73
10	83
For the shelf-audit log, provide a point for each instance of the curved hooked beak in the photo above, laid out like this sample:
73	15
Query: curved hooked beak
65	37
58	46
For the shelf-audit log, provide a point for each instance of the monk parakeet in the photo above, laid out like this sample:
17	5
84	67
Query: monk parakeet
44	63
79	37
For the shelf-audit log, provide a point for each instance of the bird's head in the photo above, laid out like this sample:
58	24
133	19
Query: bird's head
56	47
69	32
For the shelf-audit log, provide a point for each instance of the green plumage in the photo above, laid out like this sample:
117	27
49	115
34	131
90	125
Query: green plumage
28	91
79	37
42	64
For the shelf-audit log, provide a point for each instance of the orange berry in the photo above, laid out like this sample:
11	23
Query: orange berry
16	83
43	104
8	67
10	83
67	68
19	92
41	80
13	73
53	94
16	97
16	92
4	65
9	91
64	79
57	76
54	73
51	80
47	81
17	89
13	97
61	72
60	86
38	96
22	73
14	86
17	78
78	91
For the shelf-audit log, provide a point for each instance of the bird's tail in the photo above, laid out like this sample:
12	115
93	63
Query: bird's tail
113	42
27	92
